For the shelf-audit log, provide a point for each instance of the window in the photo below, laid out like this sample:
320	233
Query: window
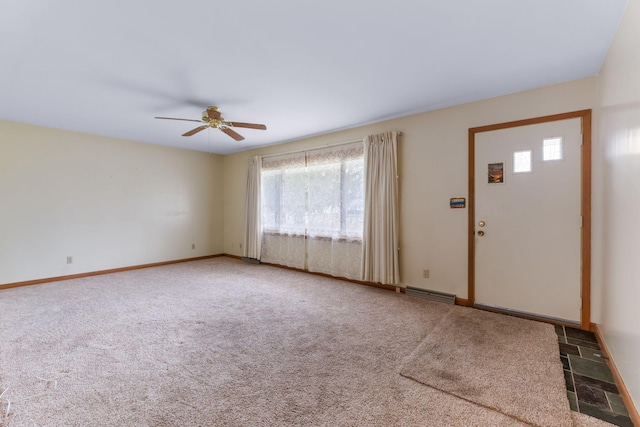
552	149
282	182
522	161
336	198
318	194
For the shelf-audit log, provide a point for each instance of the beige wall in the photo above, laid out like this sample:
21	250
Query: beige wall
106	202
433	168
617	201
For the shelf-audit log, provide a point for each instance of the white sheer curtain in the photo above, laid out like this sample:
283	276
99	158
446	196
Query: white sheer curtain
284	210
252	230
335	192
380	236
312	210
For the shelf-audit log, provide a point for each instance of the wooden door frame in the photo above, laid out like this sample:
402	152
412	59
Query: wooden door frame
585	203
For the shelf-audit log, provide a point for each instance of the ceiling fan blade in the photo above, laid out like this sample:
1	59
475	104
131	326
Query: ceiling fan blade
246	125
173	118
232	133
196	130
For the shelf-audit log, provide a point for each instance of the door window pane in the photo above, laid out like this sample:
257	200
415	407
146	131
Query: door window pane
522	161
552	149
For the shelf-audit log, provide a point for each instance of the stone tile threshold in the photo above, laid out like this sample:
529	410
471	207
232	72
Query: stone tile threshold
590	385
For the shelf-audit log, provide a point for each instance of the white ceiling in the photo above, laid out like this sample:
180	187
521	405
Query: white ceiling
300	67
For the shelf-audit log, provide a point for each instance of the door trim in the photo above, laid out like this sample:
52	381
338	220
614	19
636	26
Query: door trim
585	204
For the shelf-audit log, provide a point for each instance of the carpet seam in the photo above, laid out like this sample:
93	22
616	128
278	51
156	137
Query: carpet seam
471	401
433	331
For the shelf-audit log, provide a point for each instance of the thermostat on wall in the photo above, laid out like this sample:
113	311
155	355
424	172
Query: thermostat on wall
457	202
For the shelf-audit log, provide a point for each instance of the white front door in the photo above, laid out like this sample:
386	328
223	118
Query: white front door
528	219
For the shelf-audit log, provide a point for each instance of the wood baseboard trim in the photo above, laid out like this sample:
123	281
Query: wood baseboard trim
359	282
463	302
624	392
100	272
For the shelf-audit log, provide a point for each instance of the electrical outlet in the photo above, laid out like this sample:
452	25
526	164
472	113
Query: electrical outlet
193	246
240	245
69	260
425	273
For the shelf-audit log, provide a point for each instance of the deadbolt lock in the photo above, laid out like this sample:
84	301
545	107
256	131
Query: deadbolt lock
481	223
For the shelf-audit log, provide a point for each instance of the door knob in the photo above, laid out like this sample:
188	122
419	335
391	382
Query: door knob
480	233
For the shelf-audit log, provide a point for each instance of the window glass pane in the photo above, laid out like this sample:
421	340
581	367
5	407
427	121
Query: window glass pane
324	200
552	149
270	199
293	203
353	196
522	161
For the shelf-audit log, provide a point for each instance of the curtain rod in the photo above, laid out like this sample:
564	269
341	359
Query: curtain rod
318	148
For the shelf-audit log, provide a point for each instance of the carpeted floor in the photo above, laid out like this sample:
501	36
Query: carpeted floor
501	362
220	342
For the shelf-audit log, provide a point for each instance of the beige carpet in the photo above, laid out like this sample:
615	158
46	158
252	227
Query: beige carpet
500	362
221	343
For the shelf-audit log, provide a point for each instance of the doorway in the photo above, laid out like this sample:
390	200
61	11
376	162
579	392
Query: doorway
529	217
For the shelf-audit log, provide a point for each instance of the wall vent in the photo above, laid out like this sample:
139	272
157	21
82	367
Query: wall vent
431	295
250	260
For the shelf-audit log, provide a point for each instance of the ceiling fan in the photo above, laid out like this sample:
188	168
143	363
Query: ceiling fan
213	119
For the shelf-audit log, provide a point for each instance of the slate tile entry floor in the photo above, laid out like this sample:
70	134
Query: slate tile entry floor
590	385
